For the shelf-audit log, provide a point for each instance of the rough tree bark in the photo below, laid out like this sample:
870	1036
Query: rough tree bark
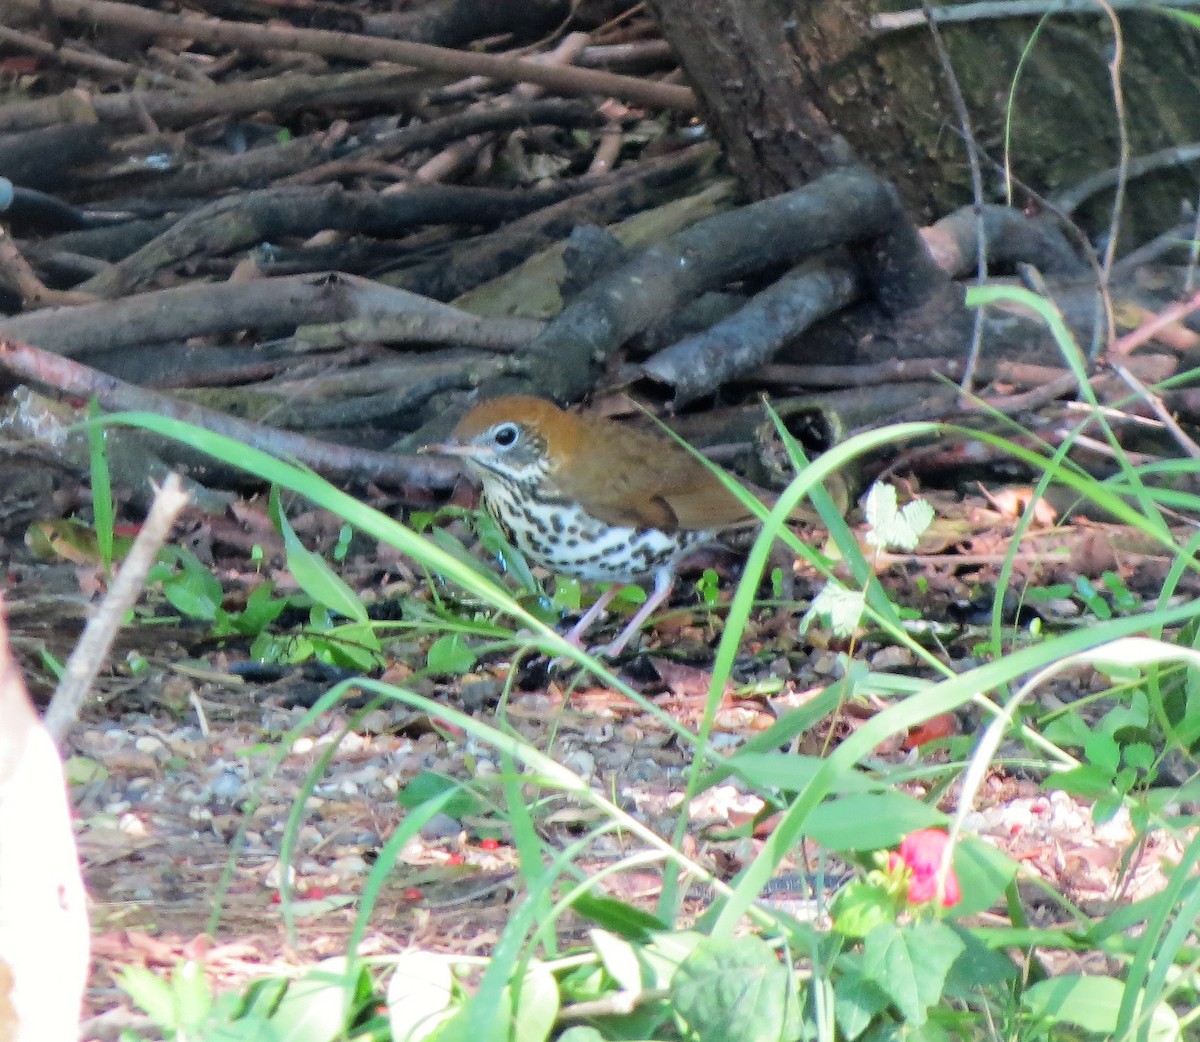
778	79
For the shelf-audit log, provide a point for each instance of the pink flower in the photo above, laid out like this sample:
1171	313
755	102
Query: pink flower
922	852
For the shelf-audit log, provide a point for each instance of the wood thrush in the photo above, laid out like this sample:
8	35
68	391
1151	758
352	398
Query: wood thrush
591	498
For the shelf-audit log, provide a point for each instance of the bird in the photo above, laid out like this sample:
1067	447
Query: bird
591	498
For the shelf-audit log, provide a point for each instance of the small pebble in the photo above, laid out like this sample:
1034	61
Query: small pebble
440	826
226	786
891	657
476	694
275	876
349	865
151	746
131	825
581	762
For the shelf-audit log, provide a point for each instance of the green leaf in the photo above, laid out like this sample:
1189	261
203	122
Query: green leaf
1068	729
620	918
890	528
192	995
1103	752
315	1007
869	820
427	786
791	773
978	966
312	574
911	964
82	770
984	873
736	991
860	907
1140	755
193	999
1088	1002
840	607
1085	780
579	1033
194	591
151	994
619	958
451	655
261	610
420	995
537	1004
663	956
857	1001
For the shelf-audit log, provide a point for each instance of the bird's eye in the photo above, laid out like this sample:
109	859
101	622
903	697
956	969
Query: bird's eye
506	435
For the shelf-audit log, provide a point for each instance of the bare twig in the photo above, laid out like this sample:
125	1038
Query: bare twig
1147	330
97	63
1155	404
97	638
34	293
355	47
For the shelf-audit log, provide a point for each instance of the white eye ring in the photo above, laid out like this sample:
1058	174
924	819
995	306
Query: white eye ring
506	435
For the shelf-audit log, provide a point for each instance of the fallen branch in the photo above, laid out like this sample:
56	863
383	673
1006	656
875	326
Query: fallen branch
353	47
336	461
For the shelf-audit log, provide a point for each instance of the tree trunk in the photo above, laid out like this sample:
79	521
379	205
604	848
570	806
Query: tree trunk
779	81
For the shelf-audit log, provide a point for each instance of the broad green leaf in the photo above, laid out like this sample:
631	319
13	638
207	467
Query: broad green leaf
537	1004
791	773
1103	752
857	1001
910	963
312	574
736	990
427	786
978	966
1088	1002
151	994
983	872
450	655
419	995
869	820
315	1007
193	999
192	597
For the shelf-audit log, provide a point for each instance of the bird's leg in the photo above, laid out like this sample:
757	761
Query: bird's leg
591	615
664	579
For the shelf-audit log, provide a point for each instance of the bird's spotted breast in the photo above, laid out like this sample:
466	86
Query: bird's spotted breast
562	537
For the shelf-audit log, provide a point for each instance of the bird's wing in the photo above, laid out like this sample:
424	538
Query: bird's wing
644	481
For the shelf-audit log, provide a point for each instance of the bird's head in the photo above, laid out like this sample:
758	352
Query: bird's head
515	439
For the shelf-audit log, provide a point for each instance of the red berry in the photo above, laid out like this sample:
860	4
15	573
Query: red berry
922	851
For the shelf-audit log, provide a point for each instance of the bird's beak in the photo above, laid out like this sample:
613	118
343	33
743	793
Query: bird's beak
451	448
